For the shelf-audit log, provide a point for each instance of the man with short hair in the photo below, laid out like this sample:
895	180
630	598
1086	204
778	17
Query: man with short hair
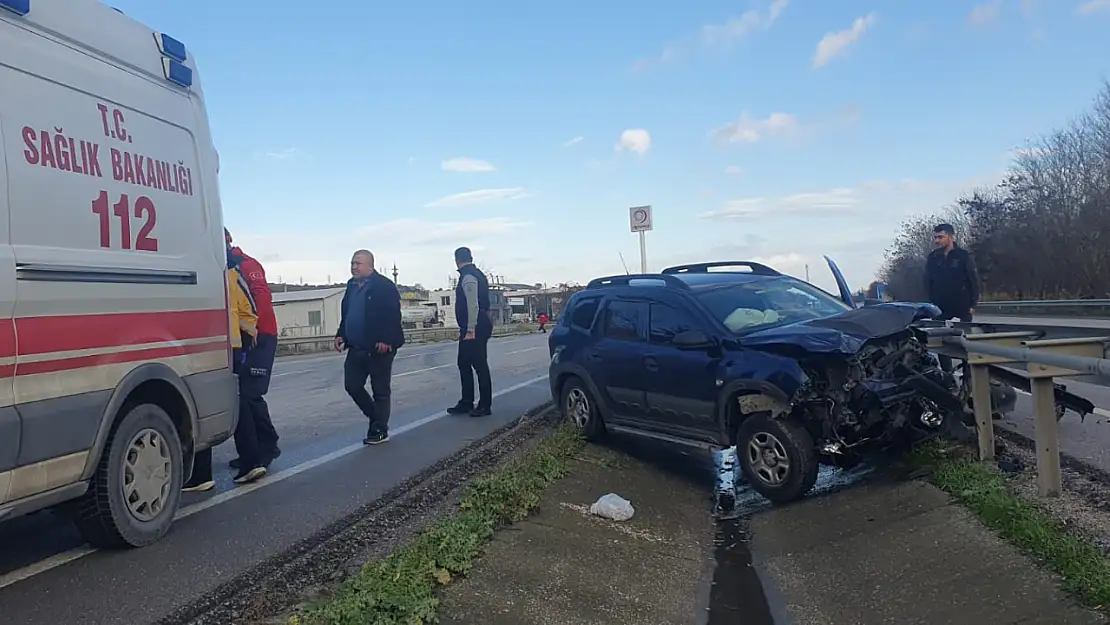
951	278
370	329
475	330
254	382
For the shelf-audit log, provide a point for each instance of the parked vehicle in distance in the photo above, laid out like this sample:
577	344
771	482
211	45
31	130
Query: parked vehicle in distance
115	364
789	374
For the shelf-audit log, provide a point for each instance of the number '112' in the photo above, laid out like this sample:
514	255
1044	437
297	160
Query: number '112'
144	209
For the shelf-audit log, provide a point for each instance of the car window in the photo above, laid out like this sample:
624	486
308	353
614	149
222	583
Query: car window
666	322
768	303
584	312
623	320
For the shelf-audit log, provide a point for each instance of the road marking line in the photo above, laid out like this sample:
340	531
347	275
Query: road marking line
1099	411
521	351
55	561
401	357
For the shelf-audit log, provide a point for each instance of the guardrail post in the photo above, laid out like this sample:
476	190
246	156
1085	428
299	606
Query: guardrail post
981	381
1047	432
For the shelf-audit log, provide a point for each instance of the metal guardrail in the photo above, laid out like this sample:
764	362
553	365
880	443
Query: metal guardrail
1043	359
305	344
1079	308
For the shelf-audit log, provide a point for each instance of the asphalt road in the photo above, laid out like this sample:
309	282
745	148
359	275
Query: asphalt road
48	576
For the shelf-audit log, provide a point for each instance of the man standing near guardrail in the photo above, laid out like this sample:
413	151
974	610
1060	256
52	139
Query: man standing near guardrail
951	279
254	382
475	330
370	329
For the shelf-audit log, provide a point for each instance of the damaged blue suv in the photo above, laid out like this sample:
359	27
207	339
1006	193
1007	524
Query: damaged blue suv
737	354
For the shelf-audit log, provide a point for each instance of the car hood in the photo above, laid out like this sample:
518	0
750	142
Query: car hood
844	333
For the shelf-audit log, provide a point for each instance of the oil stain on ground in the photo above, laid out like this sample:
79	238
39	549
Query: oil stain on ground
738	596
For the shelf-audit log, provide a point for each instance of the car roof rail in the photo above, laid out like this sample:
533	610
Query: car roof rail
626	280
758	269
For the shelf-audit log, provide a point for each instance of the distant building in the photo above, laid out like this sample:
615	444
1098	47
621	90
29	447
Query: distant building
312	312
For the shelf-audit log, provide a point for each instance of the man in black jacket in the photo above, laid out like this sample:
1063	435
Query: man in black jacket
370	329
475	330
951	278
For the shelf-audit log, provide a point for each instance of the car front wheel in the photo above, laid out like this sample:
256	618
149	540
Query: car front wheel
778	457
580	408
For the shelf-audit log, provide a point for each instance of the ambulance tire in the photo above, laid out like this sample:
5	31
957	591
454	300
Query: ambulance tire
146	439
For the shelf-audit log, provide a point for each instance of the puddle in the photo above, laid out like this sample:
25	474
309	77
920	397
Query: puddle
735	498
737	596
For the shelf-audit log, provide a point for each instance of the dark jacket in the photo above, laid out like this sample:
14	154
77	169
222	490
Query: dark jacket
483	324
952	280
382	313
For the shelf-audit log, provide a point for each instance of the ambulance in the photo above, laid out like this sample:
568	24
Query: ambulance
114	352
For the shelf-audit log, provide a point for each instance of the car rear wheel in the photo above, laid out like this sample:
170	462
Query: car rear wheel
136	490
580	408
778	457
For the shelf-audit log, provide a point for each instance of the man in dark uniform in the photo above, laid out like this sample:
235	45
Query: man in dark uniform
951	280
475	329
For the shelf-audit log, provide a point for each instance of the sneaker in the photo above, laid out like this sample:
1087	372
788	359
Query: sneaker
376	437
460	408
198	486
247	476
267	460
481	411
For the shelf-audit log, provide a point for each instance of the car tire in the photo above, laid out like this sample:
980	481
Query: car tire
135	492
579	408
778	457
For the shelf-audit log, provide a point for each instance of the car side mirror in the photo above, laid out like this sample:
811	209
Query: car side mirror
692	339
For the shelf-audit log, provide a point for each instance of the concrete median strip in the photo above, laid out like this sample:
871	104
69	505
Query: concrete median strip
401	588
1000	502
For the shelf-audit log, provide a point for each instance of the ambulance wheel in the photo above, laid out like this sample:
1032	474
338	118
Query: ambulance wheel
136	490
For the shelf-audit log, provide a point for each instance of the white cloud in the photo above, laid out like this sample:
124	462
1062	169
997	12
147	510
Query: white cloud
984	14
478	196
733	170
836	44
634	140
1093	6
719	35
574	141
752	130
281	155
467	165
832	201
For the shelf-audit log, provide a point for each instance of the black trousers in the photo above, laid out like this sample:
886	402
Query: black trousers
474	361
963	315
254	383
361	365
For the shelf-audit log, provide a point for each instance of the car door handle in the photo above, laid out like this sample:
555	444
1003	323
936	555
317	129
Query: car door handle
595	354
651	364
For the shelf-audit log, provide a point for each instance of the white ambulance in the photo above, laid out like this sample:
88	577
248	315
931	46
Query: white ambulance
114	353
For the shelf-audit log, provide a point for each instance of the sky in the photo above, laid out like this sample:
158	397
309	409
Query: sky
777	131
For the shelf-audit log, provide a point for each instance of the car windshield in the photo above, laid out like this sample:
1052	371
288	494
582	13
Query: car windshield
762	304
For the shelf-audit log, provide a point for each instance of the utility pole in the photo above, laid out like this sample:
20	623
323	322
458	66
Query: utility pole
394	273
807	272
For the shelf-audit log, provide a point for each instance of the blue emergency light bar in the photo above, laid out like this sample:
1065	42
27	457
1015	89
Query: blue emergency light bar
19	7
177	73
169	46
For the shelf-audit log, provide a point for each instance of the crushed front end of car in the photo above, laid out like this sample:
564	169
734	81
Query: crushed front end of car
868	382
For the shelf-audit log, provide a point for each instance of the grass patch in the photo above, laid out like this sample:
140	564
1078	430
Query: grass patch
400	590
984	490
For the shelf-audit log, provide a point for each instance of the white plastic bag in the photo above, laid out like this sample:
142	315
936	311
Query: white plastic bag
613	506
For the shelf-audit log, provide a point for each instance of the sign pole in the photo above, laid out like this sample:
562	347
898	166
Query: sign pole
643	252
640	222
